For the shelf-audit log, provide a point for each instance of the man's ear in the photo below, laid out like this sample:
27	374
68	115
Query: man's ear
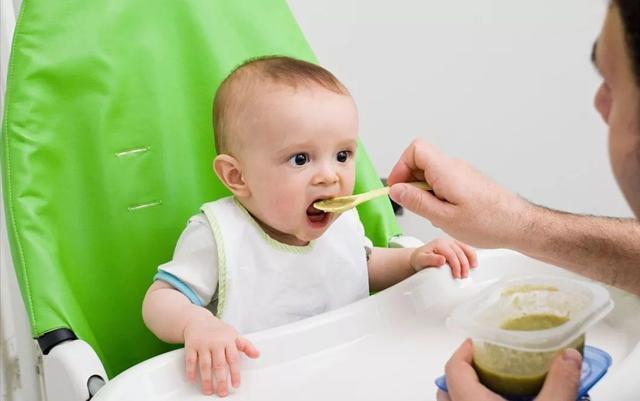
229	171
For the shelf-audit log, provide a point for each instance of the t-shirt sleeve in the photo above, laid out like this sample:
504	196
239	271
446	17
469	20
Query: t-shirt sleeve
194	268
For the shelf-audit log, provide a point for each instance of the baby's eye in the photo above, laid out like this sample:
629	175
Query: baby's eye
343	156
299	159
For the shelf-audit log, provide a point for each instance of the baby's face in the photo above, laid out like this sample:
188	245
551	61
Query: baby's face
297	147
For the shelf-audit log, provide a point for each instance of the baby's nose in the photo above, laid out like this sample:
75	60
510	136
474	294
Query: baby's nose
326	175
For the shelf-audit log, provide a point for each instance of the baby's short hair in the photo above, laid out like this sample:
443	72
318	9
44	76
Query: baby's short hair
269	69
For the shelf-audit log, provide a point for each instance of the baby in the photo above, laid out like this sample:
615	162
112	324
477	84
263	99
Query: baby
286	134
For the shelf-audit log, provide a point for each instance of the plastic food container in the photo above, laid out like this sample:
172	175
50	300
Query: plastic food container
517	326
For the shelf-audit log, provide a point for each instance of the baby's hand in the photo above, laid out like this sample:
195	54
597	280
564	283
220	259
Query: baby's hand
212	344
458	255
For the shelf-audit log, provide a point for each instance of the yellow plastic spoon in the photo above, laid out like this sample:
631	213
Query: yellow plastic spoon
344	203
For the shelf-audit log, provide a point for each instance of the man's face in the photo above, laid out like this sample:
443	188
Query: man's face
618	102
298	146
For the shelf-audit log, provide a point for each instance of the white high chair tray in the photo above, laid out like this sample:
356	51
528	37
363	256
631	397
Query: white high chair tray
390	346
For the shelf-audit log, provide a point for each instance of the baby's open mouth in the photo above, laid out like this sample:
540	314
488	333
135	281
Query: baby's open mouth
316	215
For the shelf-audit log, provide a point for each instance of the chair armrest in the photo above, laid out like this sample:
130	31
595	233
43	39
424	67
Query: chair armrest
72	372
403	241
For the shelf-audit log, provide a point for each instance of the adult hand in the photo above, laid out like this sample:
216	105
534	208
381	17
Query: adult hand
561	383
464	203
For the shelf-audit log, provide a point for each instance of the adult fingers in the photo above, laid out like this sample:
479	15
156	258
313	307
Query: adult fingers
247	347
460	373
220	371
462	380
563	378
442	396
204	362
416	159
419	201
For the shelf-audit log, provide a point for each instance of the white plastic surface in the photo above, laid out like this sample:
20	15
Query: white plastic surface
67	369
390	346
405	241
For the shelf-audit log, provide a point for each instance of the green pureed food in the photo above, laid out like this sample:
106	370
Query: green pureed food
519	373
541	321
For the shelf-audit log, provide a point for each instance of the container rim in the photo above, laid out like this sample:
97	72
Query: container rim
465	317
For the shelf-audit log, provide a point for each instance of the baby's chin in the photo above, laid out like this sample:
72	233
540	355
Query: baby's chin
314	234
309	230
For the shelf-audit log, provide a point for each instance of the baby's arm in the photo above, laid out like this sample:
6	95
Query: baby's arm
209	342
388	266
166	312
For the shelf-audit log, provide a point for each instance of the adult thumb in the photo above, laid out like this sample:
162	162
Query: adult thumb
563	378
417	200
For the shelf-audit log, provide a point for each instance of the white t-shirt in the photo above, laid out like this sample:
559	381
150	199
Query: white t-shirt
195	260
194	269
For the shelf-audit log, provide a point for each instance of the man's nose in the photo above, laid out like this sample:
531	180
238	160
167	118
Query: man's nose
602	102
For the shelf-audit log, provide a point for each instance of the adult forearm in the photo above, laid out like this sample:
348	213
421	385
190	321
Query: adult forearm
602	248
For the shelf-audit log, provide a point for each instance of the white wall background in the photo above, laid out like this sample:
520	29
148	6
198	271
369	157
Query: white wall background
505	84
19	379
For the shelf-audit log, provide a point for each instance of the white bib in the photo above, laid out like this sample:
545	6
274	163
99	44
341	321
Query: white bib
263	283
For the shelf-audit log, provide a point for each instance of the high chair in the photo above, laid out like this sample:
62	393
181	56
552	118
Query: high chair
106	152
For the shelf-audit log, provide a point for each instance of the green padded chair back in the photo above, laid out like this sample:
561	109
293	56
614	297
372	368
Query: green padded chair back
107	148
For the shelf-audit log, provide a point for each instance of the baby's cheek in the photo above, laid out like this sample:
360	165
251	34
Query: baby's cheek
284	205
292	205
349	183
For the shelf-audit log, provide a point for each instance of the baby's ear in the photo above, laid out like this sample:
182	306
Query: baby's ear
229	171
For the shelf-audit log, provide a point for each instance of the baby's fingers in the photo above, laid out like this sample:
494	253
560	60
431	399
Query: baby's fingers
204	362
452	259
190	359
220	371
233	359
428	259
470	252
462	261
245	346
